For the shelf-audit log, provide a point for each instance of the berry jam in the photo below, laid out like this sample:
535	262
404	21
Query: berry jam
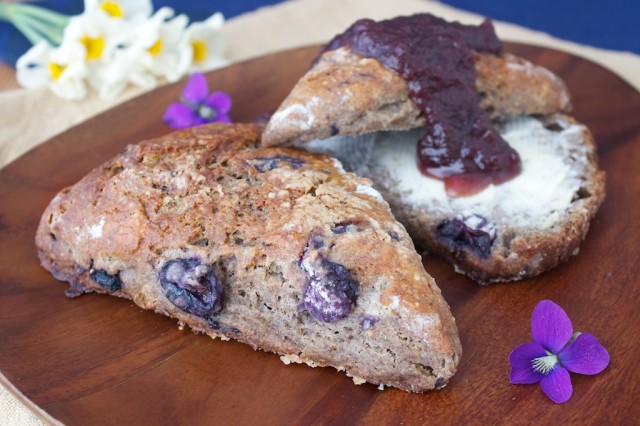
435	58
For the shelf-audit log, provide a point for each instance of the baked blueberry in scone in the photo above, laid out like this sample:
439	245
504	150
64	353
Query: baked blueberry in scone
470	145
275	247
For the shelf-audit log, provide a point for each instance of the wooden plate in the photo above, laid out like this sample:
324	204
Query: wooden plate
100	359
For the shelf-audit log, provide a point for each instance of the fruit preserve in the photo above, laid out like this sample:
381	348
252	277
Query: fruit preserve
436	59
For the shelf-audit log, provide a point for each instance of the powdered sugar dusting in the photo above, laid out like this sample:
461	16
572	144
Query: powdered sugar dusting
95	231
368	190
298	114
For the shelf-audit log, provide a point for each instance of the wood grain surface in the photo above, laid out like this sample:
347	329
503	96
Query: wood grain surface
102	360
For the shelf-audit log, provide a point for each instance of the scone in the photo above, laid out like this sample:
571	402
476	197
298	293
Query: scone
494	178
277	248
507	232
347	94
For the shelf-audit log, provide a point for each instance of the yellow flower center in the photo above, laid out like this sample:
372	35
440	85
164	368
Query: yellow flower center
156	48
199	50
112	8
94	47
56	70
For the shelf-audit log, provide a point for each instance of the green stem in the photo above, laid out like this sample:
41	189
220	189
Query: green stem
46	30
31	35
34	22
45	15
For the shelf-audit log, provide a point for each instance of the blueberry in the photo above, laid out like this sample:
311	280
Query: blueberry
191	286
264	164
222	328
368	321
330	292
344	226
394	235
473	232
110	282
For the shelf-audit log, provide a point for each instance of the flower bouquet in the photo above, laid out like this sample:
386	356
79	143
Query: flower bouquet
111	45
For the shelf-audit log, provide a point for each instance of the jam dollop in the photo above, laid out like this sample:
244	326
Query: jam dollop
436	59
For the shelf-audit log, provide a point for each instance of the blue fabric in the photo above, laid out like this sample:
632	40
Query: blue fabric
609	24
13	44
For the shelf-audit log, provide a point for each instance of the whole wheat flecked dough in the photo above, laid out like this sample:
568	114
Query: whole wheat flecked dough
347	94
274	247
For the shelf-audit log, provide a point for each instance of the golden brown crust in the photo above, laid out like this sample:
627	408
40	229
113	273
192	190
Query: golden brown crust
251	214
510	85
347	94
343	93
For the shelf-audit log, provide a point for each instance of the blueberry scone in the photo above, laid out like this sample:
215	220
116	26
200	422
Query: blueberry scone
506	232
471	146
274	247
350	90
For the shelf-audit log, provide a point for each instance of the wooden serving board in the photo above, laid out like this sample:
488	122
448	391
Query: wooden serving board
102	360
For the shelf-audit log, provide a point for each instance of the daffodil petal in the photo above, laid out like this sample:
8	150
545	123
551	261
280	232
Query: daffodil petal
585	355
180	116
32	68
557	385
521	360
550	326
219	101
195	91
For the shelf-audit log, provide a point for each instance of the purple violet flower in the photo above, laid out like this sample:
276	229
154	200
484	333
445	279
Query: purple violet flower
197	106
554	352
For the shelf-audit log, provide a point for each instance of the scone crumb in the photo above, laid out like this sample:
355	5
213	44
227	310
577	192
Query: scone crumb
293	358
358	380
215	335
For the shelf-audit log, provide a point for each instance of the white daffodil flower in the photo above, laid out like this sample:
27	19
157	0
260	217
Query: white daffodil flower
61	69
114	43
164	50
101	37
124	67
97	32
130	10
207	43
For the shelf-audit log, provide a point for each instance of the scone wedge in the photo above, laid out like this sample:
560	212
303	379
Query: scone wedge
347	94
274	247
507	232
472	149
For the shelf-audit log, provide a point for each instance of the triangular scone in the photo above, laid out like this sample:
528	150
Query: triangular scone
507	232
278	248
347	94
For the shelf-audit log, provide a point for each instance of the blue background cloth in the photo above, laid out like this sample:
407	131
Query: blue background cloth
610	24
13	44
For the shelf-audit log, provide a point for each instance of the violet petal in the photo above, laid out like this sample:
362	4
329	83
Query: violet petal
550	326
219	101
197	121
223	118
196	89
585	355
179	116
521	360
557	385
